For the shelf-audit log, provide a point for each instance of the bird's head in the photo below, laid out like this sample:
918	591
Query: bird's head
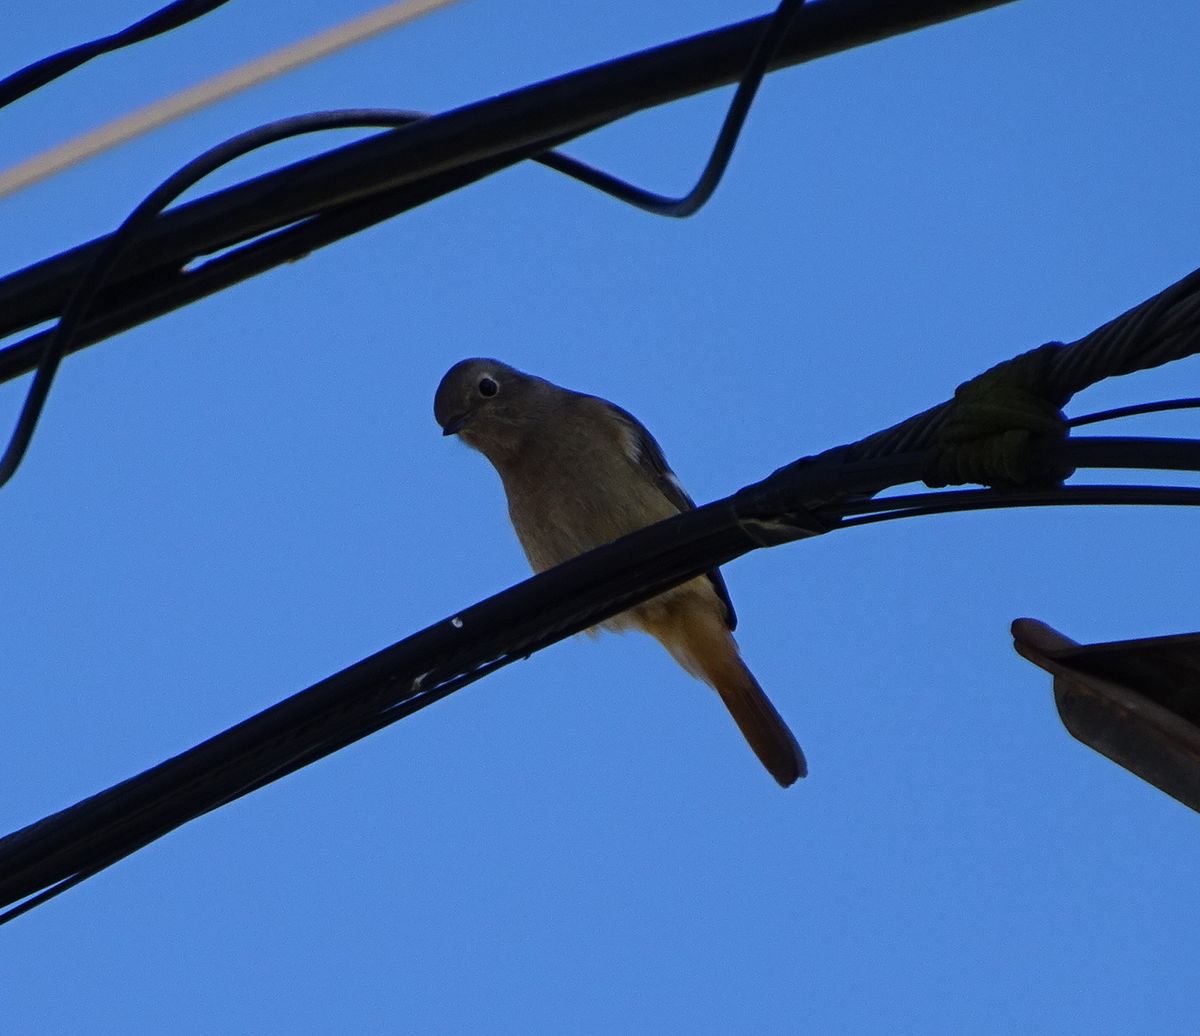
489	405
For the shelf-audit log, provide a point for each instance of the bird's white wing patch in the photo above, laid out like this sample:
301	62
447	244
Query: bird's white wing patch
631	442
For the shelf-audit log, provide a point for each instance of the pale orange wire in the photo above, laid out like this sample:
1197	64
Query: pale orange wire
119	131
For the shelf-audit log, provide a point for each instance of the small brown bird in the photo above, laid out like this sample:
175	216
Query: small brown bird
580	472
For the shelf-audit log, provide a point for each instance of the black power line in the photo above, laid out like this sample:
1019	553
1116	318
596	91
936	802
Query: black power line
1158	407
804	499
33	77
349	188
117	244
807	498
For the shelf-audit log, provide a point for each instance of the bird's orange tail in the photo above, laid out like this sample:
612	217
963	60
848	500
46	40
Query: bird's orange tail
699	642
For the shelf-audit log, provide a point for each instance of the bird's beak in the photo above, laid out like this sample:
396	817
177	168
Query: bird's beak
454	424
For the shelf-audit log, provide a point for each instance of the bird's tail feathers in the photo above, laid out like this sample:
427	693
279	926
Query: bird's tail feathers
707	650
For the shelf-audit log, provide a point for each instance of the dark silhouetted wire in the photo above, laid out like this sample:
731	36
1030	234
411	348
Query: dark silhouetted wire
33	77
119	241
803	499
369	175
799	500
347	737
1159	407
722	152
116	244
924	505
165	290
106	260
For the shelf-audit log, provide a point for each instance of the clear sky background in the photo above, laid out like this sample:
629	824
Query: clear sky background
230	503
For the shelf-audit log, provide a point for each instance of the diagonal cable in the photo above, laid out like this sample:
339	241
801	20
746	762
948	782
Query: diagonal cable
35	76
116	245
227	84
372	172
800	500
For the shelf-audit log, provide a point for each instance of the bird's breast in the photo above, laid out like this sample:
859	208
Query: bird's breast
566	502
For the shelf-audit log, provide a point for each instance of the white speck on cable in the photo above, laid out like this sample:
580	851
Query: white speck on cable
456	622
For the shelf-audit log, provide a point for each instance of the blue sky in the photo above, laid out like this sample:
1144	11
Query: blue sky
227	504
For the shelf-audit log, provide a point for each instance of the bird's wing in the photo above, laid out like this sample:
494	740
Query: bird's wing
648	455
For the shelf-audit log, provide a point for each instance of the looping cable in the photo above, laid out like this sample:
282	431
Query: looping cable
101	268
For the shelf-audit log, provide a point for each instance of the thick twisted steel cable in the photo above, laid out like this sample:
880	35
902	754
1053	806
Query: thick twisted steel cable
1161	329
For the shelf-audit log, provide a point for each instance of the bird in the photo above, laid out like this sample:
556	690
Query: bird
579	472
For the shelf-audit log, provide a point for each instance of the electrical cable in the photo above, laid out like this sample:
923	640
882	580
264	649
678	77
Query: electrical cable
33	77
548	113
227	84
346	737
718	160
1101	496
45	858
115	246
1158	407
921	505
83	839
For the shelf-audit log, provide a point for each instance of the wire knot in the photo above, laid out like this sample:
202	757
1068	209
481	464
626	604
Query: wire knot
997	423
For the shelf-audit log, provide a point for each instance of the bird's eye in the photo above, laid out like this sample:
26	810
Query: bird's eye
487	387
